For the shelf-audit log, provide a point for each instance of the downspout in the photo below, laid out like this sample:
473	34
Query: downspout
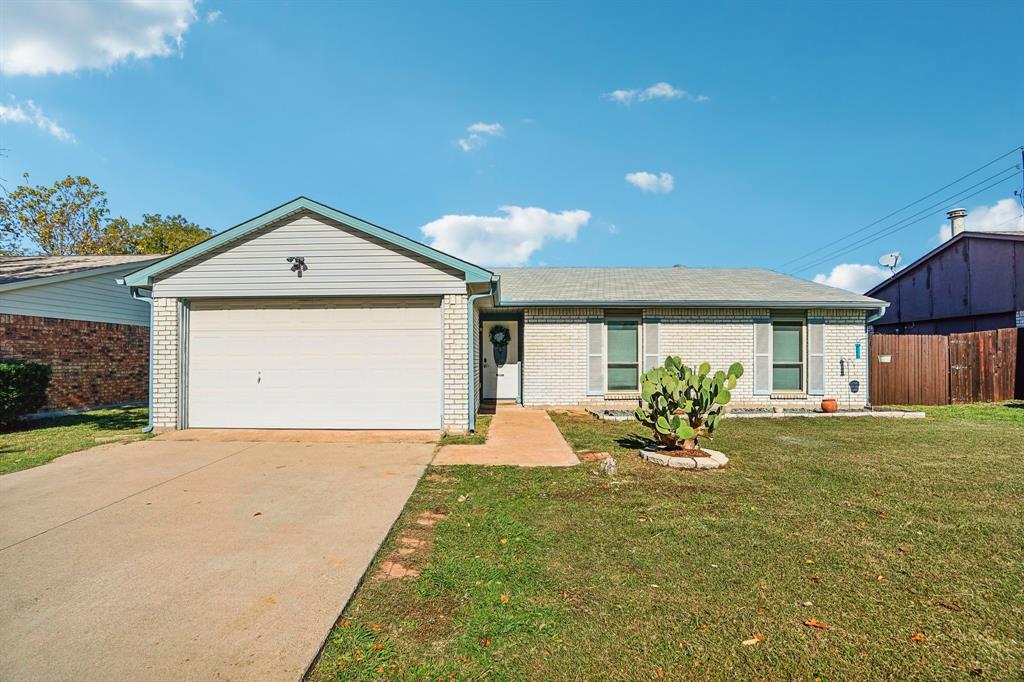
470	364
148	299
874	317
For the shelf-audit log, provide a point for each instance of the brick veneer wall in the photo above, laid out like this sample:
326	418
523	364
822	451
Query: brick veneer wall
165	363
455	322
93	363
555	351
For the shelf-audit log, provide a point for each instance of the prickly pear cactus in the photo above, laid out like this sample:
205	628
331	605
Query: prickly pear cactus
681	404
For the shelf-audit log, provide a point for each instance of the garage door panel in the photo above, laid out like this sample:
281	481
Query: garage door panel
302	366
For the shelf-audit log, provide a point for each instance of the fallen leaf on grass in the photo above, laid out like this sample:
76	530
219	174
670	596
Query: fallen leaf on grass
377	647
462	659
884	517
815	623
807	603
503	541
505	598
660	672
808	561
904	550
880	578
485	642
753	640
375	628
344	622
462	498
951	606
917	637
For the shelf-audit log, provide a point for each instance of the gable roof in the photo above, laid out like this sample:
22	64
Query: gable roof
144	277
23	271
692	287
1009	237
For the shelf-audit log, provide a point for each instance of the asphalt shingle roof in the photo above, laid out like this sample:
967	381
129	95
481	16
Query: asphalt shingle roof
673	286
23	268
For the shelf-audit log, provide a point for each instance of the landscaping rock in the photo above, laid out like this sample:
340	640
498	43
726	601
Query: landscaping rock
714	460
609	466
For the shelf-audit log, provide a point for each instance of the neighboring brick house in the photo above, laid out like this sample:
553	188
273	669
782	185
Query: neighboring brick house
306	317
69	313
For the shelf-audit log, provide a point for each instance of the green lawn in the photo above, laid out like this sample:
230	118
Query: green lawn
39	442
904	537
478	437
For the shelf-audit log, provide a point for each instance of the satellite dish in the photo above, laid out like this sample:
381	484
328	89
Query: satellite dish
890	260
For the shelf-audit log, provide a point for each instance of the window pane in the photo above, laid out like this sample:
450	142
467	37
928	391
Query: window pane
622	341
623	378
786	378
786	345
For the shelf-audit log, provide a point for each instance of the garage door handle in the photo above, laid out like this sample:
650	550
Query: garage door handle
259	376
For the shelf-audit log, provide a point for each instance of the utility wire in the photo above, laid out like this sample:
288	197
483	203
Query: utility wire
887	231
900	210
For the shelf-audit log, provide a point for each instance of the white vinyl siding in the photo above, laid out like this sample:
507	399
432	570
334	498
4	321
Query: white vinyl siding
96	298
315	364
595	357
341	261
652	352
815	357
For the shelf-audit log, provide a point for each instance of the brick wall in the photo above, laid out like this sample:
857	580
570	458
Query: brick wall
165	363
93	363
456	356
555	347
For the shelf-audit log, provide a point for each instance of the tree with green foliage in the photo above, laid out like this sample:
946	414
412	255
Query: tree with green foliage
156	234
66	219
71	219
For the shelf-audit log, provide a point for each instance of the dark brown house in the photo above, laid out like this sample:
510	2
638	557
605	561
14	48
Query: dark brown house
973	282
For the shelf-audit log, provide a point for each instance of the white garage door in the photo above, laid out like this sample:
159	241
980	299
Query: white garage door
310	365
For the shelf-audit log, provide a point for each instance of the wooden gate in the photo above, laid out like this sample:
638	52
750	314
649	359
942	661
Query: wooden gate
983	366
909	370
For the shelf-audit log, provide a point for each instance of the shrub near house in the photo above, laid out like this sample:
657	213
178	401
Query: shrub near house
683	404
22	389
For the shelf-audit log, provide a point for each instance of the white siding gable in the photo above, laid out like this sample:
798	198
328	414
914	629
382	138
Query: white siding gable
96	298
342	261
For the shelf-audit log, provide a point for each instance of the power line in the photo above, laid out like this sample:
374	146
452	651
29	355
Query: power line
900	210
887	231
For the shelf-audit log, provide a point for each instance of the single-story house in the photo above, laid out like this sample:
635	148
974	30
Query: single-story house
69	313
306	317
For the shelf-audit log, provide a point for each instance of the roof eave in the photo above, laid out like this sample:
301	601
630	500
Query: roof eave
63	277
858	305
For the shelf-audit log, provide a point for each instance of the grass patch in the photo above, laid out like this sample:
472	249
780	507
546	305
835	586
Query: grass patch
39	442
483	422
882	529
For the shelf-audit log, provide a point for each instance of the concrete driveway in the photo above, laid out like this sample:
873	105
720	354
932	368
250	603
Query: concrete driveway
198	560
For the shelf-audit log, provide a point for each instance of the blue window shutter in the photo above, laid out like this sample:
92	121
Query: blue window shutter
815	357
762	356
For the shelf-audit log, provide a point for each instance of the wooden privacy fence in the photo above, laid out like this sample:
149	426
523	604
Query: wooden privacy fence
939	370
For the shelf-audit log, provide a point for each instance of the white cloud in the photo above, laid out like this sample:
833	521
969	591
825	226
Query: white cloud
660	90
854	277
651	182
1003	216
52	36
28	113
213	16
508	239
478	134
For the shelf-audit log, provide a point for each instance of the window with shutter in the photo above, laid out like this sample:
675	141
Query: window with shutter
595	357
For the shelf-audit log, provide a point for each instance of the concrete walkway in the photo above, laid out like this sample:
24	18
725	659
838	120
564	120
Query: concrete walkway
184	560
517	436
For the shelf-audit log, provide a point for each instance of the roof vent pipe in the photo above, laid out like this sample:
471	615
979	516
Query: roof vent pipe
957	217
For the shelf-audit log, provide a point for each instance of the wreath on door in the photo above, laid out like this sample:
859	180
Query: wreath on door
500	335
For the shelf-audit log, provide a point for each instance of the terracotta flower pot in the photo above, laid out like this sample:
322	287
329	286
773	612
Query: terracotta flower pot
829	405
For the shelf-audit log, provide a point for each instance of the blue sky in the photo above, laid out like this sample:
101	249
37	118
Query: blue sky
753	133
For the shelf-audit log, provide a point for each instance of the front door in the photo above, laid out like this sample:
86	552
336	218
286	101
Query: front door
501	362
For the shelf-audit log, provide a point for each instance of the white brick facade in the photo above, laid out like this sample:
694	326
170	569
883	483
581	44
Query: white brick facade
555	351
165	363
455	327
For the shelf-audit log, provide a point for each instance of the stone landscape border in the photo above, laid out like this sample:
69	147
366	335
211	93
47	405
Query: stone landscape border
714	460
